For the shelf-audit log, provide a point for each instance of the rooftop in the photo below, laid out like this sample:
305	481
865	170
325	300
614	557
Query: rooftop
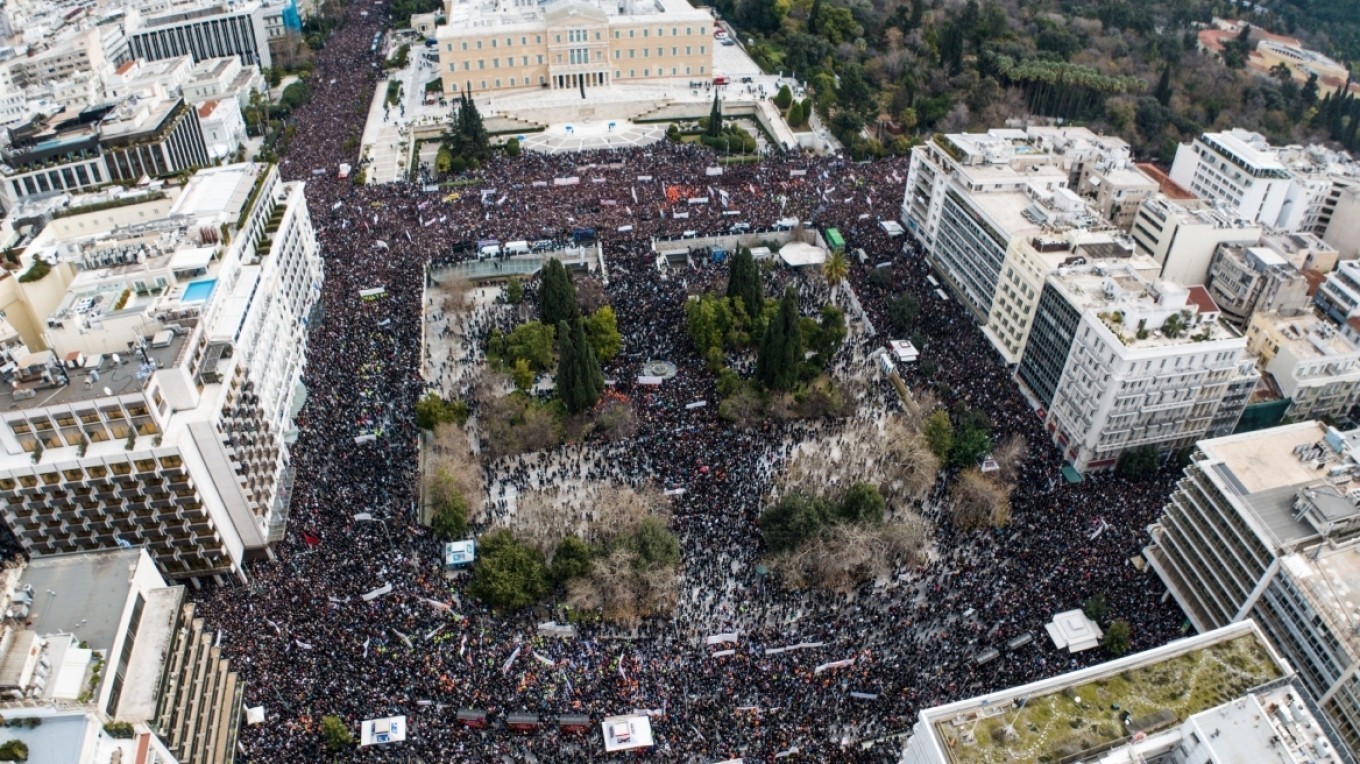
1169	188
1142	313
1310	337
127	375
1251	148
482	16
1091	710
81	593
1330	576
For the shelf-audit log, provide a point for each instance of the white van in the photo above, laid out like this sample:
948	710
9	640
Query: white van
489	250
516	248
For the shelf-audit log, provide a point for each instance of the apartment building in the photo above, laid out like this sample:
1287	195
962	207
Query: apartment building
74	153
1313	364
71	53
1263	526
1118	362
966	199
160	408
1240	169
1245	280
1236	701
150	79
208	31
1339	296
569	44
101	637
1030	260
1184	238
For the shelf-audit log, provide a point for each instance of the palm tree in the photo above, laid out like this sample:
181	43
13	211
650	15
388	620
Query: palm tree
835	270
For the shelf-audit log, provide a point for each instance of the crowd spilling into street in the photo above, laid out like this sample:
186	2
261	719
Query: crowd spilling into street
309	645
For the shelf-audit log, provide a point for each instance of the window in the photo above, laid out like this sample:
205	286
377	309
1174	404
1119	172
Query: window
465	45
701	52
558	38
481	63
495	63
493	42
479	45
498	83
617	54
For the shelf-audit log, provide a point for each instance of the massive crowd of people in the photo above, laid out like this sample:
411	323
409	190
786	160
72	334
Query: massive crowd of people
308	645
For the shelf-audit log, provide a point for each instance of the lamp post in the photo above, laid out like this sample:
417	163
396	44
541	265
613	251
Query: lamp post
367	517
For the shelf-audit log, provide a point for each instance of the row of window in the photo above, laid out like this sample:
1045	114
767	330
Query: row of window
574	56
513	82
574	36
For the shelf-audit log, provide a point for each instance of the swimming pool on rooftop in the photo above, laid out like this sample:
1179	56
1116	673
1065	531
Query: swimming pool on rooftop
199	291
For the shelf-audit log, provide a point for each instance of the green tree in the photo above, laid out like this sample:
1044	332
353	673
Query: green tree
514	291
902	313
972	439
795	115
939	434
557	294
579	379
715	117
827	333
784	97
509	574
531	341
1164	89
795	518
862	504
572	559
653	543
854	93
602	329
1138	463
432	411
522	375
449	521
1117	639
466	137
743	282
781	346
336	733
1096	608
512	147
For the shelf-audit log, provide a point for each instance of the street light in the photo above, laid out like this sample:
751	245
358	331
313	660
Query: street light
367	517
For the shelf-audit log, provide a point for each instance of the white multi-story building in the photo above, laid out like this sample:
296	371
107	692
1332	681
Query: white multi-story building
160	411
570	44
224	129
150	79
1314	365
1118	362
1030	260
1184	238
1239	168
94	638
1236	702
968	196
1246	280
127	142
1264	526
204	31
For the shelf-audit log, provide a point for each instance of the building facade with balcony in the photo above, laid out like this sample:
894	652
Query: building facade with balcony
570	44
1247	280
161	409
1238	168
1313	364
1264	526
1118	362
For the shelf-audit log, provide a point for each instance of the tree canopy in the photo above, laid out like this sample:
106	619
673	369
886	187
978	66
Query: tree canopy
579	379
509	574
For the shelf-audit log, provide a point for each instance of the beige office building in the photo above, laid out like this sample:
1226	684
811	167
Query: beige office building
564	44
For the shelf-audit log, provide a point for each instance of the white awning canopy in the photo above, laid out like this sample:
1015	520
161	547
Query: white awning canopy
796	254
192	259
1074	631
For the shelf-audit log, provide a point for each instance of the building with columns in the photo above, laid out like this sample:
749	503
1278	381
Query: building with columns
567	44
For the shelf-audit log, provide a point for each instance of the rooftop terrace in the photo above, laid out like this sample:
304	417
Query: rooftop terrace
1087	717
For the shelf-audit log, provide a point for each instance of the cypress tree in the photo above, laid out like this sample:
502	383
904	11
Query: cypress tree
715	117
557	298
1164	90
579	379
781	347
743	282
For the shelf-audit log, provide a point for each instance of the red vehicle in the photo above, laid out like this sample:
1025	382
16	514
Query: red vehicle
721	79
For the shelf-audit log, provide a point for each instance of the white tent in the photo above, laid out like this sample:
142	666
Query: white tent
255	715
1074	631
796	254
